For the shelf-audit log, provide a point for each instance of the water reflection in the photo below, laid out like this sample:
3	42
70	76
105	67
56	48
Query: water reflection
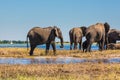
59	60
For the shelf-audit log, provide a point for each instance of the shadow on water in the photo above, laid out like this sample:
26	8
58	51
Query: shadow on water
59	60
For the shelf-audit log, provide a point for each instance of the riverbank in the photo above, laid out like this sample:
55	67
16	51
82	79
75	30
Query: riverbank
72	71
24	53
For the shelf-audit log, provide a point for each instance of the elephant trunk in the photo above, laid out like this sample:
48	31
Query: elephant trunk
107	27
61	39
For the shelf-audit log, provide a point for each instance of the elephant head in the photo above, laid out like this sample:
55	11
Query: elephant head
58	34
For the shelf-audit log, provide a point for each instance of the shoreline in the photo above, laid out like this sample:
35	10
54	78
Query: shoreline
71	71
24	53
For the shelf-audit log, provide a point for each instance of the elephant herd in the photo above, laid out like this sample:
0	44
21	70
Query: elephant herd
99	33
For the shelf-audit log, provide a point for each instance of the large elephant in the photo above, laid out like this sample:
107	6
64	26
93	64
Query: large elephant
113	35
113	46
76	35
97	33
38	36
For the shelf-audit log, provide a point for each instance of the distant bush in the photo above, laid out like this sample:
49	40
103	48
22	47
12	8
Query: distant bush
12	41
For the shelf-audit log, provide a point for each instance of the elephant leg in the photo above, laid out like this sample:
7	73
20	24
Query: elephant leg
80	44
106	42
47	48
89	46
114	41
102	48
75	45
32	49
102	44
71	43
83	50
54	48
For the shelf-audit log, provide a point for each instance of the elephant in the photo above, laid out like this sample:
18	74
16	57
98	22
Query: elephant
113	46
39	36
96	33
113	35
84	45
76	35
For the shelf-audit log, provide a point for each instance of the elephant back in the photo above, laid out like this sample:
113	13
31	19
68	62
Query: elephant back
95	32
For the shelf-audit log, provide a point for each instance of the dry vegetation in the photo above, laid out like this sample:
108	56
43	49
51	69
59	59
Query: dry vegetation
78	71
84	71
23	52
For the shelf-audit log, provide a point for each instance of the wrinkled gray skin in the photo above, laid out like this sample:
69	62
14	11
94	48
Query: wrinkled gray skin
113	46
96	33
39	36
76	35
113	35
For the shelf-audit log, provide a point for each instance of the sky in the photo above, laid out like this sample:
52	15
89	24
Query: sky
17	17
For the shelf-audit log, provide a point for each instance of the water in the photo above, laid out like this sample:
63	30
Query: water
66	46
59	60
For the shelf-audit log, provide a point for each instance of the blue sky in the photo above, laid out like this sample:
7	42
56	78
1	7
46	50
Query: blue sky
17	17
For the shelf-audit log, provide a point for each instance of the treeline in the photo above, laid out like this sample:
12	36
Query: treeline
66	42
12	42
19	42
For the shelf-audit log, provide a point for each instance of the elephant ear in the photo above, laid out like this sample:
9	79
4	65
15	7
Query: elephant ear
83	28
107	27
56	31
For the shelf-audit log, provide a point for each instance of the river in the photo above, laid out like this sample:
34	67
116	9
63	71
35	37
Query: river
66	46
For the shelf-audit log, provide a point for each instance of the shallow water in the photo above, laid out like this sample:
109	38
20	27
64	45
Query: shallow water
59	60
66	46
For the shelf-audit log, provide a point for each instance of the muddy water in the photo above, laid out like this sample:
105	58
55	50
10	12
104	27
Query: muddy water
59	60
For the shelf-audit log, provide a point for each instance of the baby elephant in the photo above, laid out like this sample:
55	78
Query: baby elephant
113	46
84	46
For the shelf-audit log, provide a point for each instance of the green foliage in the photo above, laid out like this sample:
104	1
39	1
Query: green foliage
12	41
